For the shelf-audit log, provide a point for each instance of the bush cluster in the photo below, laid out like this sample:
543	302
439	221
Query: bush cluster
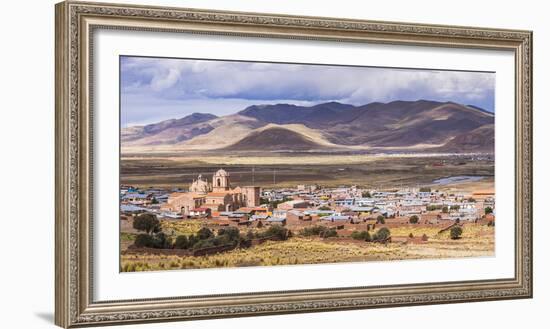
205	238
361	235
381	235
275	230
330	233
313	230
159	240
321	231
456	232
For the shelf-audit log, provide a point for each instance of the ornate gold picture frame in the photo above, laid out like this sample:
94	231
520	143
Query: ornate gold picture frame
76	22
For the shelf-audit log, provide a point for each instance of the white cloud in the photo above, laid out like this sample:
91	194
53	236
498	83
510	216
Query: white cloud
184	80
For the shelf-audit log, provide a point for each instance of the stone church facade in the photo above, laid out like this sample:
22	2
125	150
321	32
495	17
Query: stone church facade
218	195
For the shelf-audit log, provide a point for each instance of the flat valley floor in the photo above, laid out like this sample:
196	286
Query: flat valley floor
288	170
374	172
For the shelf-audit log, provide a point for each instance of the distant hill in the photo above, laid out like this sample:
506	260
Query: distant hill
481	139
416	126
314	116
275	139
169	131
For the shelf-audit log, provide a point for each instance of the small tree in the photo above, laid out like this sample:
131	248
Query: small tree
470	199
324	208
380	219
445	209
413	219
147	223
425	189
366	194
411	235
488	210
424	237
456	232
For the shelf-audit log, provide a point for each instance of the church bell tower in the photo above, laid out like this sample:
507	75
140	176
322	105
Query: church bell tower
220	181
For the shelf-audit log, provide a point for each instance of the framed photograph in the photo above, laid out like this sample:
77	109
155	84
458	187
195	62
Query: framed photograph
218	164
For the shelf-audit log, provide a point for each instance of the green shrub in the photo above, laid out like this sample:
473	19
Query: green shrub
329	233
411	235
413	219
205	243
313	230
456	232
159	241
275	230
182	242
144	240
204	233
380	219
488	210
232	233
424	237
162	241
359	235
245	242
192	240
382	234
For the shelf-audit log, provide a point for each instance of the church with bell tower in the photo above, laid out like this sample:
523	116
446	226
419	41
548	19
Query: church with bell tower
216	196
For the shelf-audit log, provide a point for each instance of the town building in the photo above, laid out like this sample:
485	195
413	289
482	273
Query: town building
218	195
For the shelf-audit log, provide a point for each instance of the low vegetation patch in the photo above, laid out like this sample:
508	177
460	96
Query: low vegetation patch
361	235
381	235
456	232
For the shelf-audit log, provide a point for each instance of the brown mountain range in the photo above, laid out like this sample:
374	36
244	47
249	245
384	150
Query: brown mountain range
400	126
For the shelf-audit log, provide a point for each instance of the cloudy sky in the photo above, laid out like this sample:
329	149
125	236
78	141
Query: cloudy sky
155	89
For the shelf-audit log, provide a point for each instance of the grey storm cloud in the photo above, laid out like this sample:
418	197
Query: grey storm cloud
180	81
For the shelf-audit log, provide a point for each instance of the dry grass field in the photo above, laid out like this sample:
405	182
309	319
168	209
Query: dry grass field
370	171
477	241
